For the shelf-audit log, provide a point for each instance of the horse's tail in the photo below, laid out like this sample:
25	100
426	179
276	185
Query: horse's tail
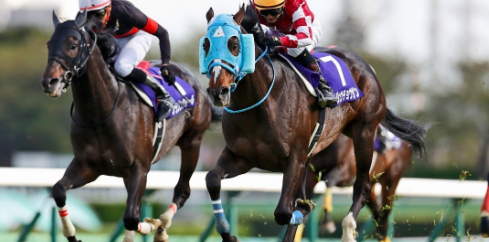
216	113
406	130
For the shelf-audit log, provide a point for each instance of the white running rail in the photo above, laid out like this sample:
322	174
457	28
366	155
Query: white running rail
259	182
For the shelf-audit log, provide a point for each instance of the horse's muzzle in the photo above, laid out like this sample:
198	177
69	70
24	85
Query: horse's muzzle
51	86
220	97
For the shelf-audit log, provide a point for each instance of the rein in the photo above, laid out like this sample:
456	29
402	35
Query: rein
79	66
233	88
113	106
105	119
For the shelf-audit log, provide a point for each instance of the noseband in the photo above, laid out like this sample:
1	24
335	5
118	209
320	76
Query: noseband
76	65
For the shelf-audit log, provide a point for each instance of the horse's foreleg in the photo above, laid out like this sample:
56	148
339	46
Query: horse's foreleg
363	140
135	184
292	180
76	175
293	233
190	149
311	180
228	166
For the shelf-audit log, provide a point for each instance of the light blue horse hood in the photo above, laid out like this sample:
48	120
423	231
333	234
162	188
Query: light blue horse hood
219	30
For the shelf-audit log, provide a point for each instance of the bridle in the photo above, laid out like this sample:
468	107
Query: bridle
76	65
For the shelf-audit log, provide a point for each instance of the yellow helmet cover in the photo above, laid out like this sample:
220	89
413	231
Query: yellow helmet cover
268	4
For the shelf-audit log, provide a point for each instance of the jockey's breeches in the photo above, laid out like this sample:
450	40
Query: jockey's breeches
133	49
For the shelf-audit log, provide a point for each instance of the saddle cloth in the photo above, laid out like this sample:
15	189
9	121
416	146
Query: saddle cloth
148	95
334	71
388	142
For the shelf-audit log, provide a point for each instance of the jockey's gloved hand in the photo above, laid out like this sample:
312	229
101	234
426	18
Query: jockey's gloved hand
272	42
167	74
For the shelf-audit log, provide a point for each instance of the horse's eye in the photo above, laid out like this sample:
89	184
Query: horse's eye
73	47
207	46
235	47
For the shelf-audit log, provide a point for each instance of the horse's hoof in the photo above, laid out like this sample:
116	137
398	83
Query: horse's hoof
129	236
161	235
327	228
306	205
234	239
484	227
226	237
73	239
154	223
349	225
166	220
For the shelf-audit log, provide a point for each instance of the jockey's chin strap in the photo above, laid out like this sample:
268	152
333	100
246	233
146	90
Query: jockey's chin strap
78	64
238	78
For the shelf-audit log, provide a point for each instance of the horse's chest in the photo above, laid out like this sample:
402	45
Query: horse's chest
103	147
264	142
268	154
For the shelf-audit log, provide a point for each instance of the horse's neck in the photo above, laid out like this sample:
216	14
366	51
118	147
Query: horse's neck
255	86
95	90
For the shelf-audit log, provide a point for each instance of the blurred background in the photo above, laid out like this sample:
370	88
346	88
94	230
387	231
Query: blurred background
431	57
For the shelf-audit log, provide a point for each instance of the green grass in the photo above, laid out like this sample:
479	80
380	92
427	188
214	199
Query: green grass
413	217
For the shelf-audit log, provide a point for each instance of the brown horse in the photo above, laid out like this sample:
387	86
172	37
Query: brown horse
335	165
112	129
273	133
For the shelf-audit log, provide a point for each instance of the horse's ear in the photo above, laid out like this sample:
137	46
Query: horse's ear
209	15
238	17
81	18
55	19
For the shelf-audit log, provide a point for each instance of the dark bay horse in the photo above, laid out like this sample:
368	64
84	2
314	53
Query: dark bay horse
273	133
112	129
335	165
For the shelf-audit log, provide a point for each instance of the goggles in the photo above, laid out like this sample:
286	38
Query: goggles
273	12
97	13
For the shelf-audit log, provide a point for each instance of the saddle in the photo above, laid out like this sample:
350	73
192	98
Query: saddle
386	140
182	92
334	71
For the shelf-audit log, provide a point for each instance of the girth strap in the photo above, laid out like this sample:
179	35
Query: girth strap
317	131
158	139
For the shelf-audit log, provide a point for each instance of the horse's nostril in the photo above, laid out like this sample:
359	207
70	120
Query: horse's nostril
53	81
224	91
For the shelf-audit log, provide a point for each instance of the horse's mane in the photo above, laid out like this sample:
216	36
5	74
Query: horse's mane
251	24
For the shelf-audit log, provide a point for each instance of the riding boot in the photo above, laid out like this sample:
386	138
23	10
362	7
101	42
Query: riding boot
325	93
164	101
